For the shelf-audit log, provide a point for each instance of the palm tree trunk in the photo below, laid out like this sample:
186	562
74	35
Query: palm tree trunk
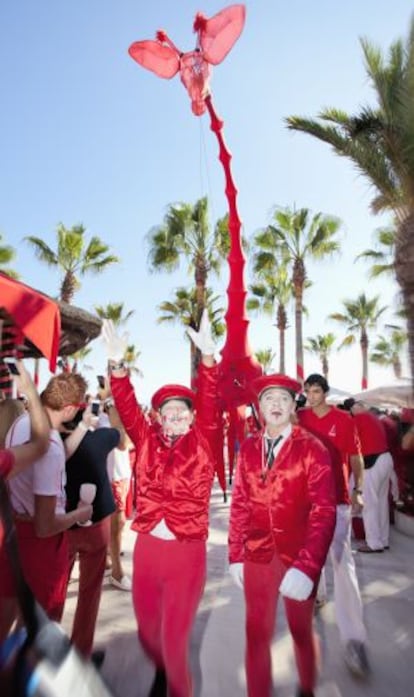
36	371
194	363
397	367
299	339
281	323
364	352
282	351
404	264
325	367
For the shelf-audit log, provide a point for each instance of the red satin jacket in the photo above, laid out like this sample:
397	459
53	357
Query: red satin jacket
291	511
173	481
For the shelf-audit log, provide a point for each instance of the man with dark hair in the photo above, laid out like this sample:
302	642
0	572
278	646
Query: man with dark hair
337	431
281	525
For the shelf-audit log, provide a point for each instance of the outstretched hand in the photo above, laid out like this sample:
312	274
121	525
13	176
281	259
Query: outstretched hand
115	345
203	338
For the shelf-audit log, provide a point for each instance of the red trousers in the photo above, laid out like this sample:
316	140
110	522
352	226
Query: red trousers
168	583
91	544
45	567
261	588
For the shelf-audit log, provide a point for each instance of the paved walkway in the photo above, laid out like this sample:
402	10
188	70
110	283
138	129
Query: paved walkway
387	585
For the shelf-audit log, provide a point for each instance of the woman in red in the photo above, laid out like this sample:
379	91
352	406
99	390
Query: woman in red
282	521
174	474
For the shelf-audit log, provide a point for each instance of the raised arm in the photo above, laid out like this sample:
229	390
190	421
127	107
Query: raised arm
122	390
23	455
208	415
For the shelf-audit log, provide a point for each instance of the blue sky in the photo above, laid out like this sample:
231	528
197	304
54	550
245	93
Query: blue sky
88	136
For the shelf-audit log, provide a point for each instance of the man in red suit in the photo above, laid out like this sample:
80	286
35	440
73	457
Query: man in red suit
174	473
282	521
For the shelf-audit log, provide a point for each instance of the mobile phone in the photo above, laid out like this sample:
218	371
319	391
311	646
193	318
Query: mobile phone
11	364
95	408
101	381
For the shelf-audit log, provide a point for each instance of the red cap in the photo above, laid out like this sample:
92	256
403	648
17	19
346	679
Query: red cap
284	382
164	394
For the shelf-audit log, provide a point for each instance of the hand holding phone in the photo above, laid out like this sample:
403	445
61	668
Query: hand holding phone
11	364
95	406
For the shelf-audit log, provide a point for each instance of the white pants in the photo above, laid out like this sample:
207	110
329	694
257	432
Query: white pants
347	598
376	511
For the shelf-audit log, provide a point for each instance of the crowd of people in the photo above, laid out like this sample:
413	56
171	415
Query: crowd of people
303	472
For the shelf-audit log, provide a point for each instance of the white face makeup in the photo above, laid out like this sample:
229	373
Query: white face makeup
276	406
176	417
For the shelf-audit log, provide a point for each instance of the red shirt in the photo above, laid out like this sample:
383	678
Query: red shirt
371	433
337	431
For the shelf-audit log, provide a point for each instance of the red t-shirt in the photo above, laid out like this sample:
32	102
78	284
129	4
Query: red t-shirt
337	431
371	433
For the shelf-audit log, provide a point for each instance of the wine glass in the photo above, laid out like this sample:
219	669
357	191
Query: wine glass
87	493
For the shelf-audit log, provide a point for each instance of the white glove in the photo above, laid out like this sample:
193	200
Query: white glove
236	572
203	339
296	585
115	345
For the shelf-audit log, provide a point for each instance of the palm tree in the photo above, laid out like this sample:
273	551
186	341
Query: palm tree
293	238
321	345
360	315
274	289
185	233
73	257
114	312
7	254
383	254
380	143
184	310
265	357
131	357
387	352
79	357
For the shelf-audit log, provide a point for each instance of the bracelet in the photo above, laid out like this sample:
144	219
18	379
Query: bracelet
357	491
82	426
116	365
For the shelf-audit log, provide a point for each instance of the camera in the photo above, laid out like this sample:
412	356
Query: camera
101	381
11	364
95	407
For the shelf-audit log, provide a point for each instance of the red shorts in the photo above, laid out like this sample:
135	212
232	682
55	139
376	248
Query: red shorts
45	565
120	489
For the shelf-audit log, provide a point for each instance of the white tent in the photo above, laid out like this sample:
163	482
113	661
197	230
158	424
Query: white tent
336	396
396	394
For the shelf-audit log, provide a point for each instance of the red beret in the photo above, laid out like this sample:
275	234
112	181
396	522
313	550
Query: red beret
265	382
171	392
